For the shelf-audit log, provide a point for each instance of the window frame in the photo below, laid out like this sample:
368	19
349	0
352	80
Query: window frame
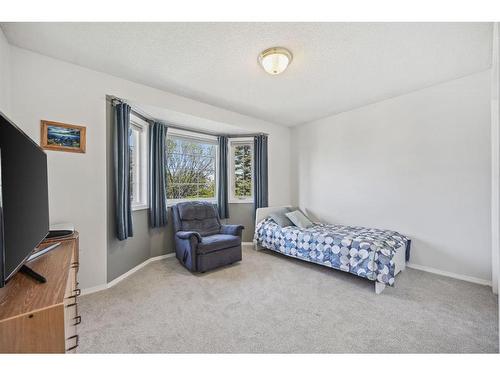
202	138
142	127
231	170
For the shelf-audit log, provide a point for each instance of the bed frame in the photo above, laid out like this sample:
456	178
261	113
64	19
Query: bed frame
399	259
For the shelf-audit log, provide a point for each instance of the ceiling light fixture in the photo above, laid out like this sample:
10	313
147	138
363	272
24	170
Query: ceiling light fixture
275	60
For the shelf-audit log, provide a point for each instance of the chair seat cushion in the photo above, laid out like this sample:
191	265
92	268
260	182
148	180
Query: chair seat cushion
217	242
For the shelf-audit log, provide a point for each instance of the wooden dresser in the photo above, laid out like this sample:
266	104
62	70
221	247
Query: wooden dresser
43	318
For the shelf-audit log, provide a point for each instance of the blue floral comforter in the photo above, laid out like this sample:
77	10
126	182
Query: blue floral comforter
365	252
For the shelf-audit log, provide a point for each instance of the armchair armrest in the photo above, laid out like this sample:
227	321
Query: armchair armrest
233	229
186	235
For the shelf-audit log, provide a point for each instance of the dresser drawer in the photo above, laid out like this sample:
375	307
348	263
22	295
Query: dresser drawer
71	322
38	332
43	317
71	317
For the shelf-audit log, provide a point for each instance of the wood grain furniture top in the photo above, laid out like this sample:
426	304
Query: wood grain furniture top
43	318
23	295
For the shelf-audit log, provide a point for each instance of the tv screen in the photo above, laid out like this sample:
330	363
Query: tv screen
24	205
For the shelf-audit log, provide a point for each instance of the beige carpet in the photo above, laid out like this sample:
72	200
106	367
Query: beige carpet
269	303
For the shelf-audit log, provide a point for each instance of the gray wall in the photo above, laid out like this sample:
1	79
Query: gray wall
242	213
122	256
146	243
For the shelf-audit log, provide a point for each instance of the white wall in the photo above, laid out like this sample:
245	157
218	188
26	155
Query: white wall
495	165
418	163
5	95
495	160
45	88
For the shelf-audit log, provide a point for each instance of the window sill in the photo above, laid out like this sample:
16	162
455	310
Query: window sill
171	202
239	201
139	208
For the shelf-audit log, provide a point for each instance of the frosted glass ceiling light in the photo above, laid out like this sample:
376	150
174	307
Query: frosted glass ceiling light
275	60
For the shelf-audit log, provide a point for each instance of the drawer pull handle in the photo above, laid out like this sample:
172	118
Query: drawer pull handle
75	265
71	305
77	342
72	296
78	320
77	291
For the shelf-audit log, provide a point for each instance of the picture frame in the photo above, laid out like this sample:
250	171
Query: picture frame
58	136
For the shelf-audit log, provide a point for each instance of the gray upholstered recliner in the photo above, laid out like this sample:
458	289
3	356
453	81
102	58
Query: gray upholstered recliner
202	243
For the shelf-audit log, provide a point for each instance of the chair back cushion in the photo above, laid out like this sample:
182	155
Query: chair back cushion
201	217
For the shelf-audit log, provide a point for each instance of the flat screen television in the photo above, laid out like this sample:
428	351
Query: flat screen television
24	202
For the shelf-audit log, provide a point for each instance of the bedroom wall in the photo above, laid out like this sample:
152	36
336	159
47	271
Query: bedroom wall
5	94
495	164
418	163
243	213
46	88
495	159
146	242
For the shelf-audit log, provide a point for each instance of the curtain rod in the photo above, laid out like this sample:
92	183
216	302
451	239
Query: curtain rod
146	117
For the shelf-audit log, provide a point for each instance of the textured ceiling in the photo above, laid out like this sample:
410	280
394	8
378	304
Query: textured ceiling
336	66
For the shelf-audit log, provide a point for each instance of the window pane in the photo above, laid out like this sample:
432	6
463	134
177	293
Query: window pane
133	164
138	162
242	171
207	190
190	169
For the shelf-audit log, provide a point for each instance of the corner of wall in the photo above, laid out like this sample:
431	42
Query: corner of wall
294	167
5	75
495	159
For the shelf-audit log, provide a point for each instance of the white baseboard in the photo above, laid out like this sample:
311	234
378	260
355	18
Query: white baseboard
113	282
93	289
137	268
471	279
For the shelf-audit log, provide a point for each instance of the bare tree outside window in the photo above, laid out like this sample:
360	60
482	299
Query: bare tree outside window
190	169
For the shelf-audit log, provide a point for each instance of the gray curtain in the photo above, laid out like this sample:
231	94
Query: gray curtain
260	189
157	175
222	193
123	210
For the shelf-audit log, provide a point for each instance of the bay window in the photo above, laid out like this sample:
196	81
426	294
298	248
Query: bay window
191	167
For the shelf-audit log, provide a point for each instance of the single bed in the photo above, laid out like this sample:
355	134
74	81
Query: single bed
374	254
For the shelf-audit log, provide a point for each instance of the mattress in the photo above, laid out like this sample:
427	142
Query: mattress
366	252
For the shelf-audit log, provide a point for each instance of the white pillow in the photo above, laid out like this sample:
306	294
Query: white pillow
299	219
280	218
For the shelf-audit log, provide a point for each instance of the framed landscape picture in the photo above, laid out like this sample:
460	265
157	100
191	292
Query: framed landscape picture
62	137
